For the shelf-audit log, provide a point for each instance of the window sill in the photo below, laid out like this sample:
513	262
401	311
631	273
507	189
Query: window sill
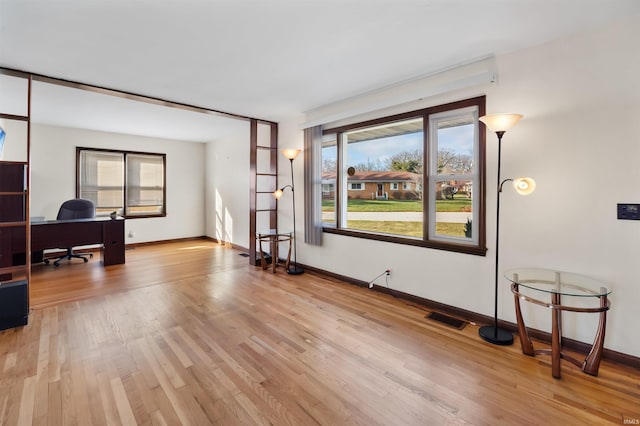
144	216
438	245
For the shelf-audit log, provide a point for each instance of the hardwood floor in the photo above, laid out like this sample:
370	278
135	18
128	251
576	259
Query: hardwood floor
190	333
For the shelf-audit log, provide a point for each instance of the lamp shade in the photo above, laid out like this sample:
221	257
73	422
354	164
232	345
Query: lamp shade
278	194
524	185
500	122
290	153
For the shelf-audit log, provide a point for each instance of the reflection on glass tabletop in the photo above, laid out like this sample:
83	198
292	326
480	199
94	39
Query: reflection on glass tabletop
552	281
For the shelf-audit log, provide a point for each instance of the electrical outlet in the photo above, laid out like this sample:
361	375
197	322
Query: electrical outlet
388	271
629	211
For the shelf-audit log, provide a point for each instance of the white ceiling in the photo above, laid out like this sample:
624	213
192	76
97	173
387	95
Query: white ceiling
268	59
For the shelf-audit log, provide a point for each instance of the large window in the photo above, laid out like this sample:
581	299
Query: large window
415	178
131	183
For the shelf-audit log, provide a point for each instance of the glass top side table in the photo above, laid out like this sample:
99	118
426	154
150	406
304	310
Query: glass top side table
273	237
555	285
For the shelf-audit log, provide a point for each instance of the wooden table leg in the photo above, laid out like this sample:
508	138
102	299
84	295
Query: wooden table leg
556	348
525	340
592	361
274	252
263	261
289	254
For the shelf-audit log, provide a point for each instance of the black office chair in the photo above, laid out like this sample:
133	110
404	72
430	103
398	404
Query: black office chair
77	208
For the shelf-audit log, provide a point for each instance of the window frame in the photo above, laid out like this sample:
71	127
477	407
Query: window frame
162	213
475	247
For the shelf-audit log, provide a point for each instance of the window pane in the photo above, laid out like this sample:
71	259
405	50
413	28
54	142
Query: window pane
454	208
329	172
455	145
453	175
384	194
102	179
145	184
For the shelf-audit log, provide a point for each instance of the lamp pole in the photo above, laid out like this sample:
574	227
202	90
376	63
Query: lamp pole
499	123
291	154
295	270
494	334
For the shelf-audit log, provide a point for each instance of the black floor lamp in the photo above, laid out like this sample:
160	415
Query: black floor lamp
500	123
291	154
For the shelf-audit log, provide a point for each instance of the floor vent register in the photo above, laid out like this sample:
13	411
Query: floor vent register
446	319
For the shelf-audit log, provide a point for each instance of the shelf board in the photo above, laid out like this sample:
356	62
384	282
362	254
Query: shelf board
13	224
12	269
14	117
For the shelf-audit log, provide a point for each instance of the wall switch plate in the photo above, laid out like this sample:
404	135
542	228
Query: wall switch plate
629	211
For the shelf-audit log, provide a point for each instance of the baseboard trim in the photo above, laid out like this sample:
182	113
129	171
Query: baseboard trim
542	336
227	244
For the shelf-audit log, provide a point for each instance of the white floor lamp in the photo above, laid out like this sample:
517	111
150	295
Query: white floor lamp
500	123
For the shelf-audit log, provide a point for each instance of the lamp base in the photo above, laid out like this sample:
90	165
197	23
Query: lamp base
295	271
496	335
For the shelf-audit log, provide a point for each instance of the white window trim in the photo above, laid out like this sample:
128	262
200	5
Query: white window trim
434	178
476	245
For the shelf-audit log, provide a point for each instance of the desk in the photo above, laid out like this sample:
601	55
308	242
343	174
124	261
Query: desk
53	234
273	237
557	284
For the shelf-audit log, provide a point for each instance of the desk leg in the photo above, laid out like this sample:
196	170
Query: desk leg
555	336
525	340
592	361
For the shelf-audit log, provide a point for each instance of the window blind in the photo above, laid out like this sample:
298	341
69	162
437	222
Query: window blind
145	184
102	179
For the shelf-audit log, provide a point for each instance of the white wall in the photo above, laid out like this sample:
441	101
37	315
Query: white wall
53	178
14	147
227	187
579	139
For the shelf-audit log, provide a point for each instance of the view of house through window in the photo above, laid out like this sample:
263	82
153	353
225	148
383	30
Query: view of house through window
329	173
384	156
109	178
452	175
410	178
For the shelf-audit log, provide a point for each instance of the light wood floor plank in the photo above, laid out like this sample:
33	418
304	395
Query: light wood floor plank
125	412
189	333
27	400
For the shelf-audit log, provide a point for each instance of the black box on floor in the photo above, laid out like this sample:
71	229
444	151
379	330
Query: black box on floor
14	304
